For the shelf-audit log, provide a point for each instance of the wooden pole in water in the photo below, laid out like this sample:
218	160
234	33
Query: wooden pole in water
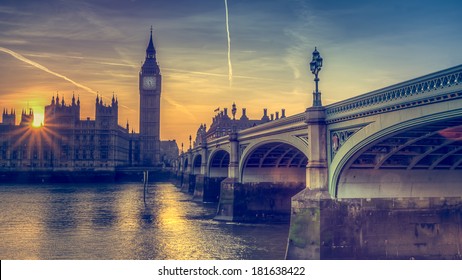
145	185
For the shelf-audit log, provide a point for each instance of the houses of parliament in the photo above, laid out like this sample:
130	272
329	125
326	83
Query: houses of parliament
67	143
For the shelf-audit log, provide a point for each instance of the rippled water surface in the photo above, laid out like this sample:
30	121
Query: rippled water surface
116	221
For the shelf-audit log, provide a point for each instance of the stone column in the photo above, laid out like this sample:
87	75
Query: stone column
233	168
316	169
204	155
305	225
192	176
188	167
181	169
186	172
202	177
229	206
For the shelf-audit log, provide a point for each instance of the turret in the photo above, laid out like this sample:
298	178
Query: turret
106	115
9	118
114	101
59	114
27	118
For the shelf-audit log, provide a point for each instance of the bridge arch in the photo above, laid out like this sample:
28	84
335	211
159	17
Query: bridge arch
407	154
275	160
196	166
218	163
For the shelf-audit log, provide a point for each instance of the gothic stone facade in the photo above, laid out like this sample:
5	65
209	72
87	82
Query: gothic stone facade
65	142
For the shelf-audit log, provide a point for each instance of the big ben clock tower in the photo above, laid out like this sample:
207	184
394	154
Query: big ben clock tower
150	89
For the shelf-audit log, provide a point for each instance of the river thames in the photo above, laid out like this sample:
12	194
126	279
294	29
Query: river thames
120	221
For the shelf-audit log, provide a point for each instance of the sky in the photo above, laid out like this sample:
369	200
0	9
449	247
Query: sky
94	47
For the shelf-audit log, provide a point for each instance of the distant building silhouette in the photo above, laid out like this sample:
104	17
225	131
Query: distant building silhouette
223	124
27	118
9	118
67	143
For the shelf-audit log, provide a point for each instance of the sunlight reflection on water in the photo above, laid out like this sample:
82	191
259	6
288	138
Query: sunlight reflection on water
111	221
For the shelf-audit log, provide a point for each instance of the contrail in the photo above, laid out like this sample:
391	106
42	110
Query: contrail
43	68
230	68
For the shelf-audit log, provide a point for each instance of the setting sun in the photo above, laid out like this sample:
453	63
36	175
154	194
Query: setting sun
38	119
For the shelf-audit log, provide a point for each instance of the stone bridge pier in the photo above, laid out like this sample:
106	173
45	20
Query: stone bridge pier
305	229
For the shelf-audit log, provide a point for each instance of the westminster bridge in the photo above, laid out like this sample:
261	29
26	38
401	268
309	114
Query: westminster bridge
375	176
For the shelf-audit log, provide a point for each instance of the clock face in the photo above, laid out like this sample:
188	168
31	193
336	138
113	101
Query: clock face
149	82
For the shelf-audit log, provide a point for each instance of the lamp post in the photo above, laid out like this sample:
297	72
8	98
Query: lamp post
233	126
315	67
233	111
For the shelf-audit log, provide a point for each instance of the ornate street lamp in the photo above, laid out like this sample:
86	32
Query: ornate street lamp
233	111
315	67
233	125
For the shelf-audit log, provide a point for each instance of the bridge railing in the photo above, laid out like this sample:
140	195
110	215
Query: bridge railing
377	101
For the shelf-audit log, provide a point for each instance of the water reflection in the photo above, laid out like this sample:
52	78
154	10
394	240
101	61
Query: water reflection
60	213
147	218
20	226
122	221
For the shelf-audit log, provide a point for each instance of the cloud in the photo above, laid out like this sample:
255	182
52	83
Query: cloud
12	11
43	68
13	41
119	64
214	74
307	31
180	107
